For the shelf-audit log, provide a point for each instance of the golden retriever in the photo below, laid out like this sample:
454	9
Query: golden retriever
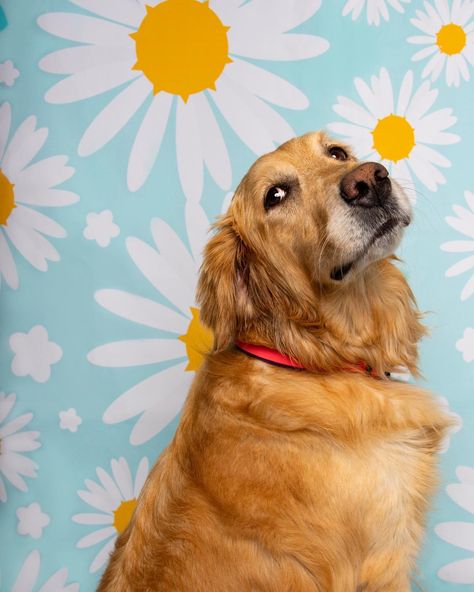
282	479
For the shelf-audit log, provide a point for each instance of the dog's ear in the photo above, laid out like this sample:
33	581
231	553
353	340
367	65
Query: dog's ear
221	289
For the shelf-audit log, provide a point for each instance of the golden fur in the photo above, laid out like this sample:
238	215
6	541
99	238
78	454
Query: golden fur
282	480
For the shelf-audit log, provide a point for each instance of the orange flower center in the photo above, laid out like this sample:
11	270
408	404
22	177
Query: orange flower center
451	39
394	137
198	340
123	515
7	198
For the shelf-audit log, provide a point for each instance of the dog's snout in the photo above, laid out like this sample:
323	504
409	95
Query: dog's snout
367	185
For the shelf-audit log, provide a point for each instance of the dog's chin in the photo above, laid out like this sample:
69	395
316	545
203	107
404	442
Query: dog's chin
383	242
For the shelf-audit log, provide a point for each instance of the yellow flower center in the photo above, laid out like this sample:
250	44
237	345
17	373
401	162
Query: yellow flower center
198	341
123	515
7	198
181	47
394	137
451	39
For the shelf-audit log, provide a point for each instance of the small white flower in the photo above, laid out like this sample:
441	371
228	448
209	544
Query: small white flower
8	73
101	228
13	465
32	520
34	354
463	223
26	580
375	10
466	345
444	404
69	420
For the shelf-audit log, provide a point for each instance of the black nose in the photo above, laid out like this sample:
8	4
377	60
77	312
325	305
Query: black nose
367	185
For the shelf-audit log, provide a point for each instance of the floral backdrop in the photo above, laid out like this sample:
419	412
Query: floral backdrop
124	127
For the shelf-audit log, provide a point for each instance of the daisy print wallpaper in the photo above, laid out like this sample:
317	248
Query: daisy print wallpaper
125	126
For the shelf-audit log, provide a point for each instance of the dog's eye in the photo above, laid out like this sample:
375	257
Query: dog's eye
275	195
337	153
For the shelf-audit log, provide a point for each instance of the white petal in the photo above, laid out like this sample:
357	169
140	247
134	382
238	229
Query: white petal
5	122
22	442
29	218
7	264
402	175
136	352
458	572
161	274
28	575
257	16
46	173
463	224
385	93
96	537
7	403
158	416
428	174
434	66
463	495
460	267
3	491
460	534
93	519
266	85
148	140
369	99
128	12
40	196
421	102
431	155
281	47
189	151
351	111
90	83
109	486
71	60
458	246
15	425
123	477
443	10
102	556
197	225
84	29
240	118
424	53
171	247
57	583
114	116
468	289
142	310
32	245
156	392
422	40
465	474
405	93
213	146
101	503
141	475
23	147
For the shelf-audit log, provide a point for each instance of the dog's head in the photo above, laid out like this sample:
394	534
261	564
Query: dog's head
307	223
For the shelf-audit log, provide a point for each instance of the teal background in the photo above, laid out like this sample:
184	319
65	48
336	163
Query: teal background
62	299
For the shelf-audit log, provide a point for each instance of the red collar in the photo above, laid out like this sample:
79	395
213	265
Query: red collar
272	356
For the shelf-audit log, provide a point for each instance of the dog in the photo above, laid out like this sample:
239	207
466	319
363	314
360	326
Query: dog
298	464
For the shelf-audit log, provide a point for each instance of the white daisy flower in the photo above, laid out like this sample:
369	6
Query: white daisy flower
375	9
401	132
172	270
466	345
463	223
26	580
115	498
24	187
32	520
459	534
448	37
13	465
183	55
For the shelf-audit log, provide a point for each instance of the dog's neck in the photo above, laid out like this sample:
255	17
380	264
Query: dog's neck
370	318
